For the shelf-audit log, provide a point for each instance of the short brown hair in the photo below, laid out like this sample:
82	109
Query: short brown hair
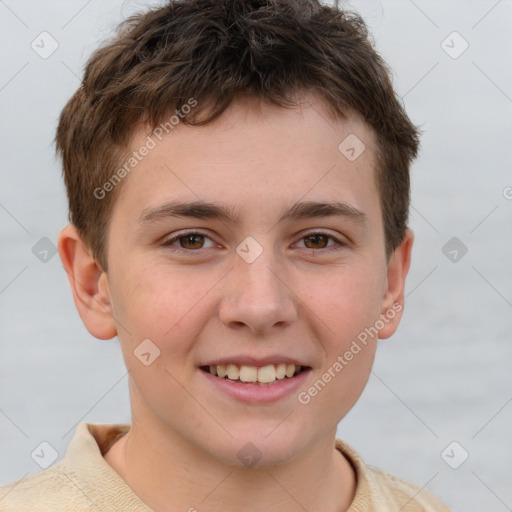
214	51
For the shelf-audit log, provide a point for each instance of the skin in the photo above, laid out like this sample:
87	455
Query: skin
299	298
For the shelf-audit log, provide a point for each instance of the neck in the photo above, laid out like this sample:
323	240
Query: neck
170	475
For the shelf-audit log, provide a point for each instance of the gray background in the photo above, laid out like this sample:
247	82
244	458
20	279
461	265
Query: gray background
445	376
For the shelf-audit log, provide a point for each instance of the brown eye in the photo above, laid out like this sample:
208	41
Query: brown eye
322	243
192	241
317	240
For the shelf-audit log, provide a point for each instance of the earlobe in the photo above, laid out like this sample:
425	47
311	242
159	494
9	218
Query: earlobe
89	284
394	296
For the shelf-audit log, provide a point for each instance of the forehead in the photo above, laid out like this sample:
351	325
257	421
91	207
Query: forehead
255	155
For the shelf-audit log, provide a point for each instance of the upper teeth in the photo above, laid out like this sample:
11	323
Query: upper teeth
264	374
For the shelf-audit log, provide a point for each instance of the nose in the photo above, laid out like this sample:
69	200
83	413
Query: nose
258	297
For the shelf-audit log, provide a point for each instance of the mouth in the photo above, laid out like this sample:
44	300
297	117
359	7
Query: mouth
259	375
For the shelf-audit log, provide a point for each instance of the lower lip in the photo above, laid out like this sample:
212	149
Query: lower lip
255	393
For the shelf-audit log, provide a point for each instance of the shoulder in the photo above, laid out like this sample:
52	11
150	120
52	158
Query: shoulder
54	484
405	495
81	481
378	490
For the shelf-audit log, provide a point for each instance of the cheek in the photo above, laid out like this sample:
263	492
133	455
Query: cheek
157	301
159	312
347	301
349	307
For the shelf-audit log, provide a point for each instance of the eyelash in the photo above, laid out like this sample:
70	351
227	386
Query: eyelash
168	244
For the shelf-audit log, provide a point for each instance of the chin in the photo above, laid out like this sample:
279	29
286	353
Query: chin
261	448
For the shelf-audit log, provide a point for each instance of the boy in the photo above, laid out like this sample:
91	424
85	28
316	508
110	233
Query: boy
238	181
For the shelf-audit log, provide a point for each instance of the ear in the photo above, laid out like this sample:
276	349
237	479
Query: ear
89	284
393	298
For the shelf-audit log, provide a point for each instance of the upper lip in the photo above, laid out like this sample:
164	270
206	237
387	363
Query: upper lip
254	361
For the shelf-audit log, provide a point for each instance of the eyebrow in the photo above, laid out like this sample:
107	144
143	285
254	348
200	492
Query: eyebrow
205	210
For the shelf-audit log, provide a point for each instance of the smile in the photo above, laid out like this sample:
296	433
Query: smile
265	375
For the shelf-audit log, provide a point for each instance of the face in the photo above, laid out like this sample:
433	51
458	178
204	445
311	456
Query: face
256	280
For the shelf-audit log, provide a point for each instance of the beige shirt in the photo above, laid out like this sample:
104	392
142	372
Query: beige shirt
84	481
